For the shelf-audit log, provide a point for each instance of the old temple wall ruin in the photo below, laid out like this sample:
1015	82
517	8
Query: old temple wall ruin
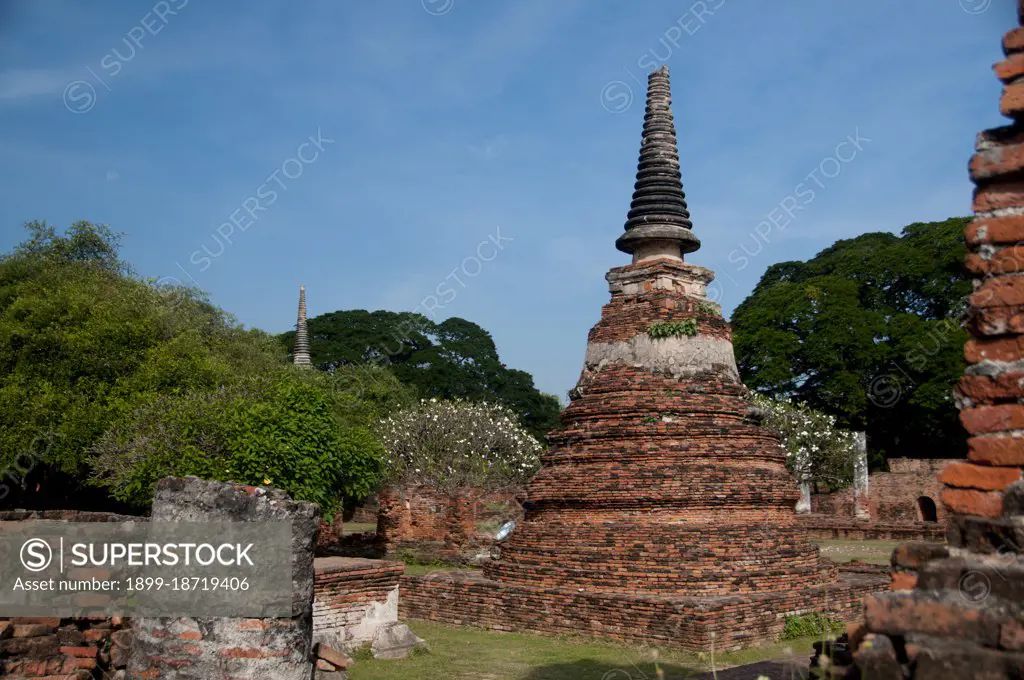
908	492
115	647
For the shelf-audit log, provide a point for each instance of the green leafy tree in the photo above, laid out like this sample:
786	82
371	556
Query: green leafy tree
102	371
280	431
869	330
454	359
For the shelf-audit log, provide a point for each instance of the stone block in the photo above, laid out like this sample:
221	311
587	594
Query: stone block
395	641
336	659
271	648
940	615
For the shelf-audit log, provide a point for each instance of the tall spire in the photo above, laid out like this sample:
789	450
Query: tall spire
301	354
658	223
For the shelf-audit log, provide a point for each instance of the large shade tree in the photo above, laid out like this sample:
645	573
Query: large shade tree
870	330
110	379
454	359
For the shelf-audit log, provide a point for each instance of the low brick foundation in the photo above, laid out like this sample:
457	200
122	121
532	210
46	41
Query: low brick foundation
468	598
353	597
824	527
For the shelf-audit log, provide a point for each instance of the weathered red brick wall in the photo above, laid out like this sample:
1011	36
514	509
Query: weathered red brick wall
63	649
959	616
352	598
897	495
834	504
424	519
848	528
893	496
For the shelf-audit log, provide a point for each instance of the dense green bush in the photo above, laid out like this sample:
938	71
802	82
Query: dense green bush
278	431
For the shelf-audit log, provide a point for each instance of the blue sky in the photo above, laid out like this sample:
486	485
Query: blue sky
443	124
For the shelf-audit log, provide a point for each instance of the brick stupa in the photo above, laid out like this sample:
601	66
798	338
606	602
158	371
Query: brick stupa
663	511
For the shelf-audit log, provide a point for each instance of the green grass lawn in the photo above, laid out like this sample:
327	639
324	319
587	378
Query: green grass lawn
464	653
872	552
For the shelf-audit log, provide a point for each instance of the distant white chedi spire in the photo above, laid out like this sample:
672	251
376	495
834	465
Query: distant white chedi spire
301	354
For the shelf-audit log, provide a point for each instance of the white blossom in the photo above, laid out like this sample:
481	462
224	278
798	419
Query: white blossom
816	450
451	444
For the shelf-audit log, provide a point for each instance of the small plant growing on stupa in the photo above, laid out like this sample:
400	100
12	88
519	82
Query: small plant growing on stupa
707	308
668	329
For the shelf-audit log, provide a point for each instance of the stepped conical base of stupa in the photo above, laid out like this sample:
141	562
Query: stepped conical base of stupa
661	481
663	511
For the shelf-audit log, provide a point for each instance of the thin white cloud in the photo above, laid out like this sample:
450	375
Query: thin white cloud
23	84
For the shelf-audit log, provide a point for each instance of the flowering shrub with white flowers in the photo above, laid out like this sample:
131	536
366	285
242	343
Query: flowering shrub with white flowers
817	451
451	444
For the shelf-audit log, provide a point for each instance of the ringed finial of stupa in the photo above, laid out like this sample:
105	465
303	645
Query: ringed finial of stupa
658	223
301	354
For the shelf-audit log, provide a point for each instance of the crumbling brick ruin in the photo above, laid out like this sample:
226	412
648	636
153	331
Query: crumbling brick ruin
908	492
428	525
115	648
354	598
957	611
663	512
903	504
339	604
64	648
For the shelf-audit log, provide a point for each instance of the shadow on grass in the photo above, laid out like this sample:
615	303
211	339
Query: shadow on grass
588	669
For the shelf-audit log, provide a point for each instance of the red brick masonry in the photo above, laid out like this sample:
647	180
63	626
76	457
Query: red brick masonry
62	649
850	529
893	496
347	592
663	511
468	598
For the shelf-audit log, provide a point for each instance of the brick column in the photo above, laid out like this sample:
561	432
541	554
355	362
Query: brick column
224	648
956	613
